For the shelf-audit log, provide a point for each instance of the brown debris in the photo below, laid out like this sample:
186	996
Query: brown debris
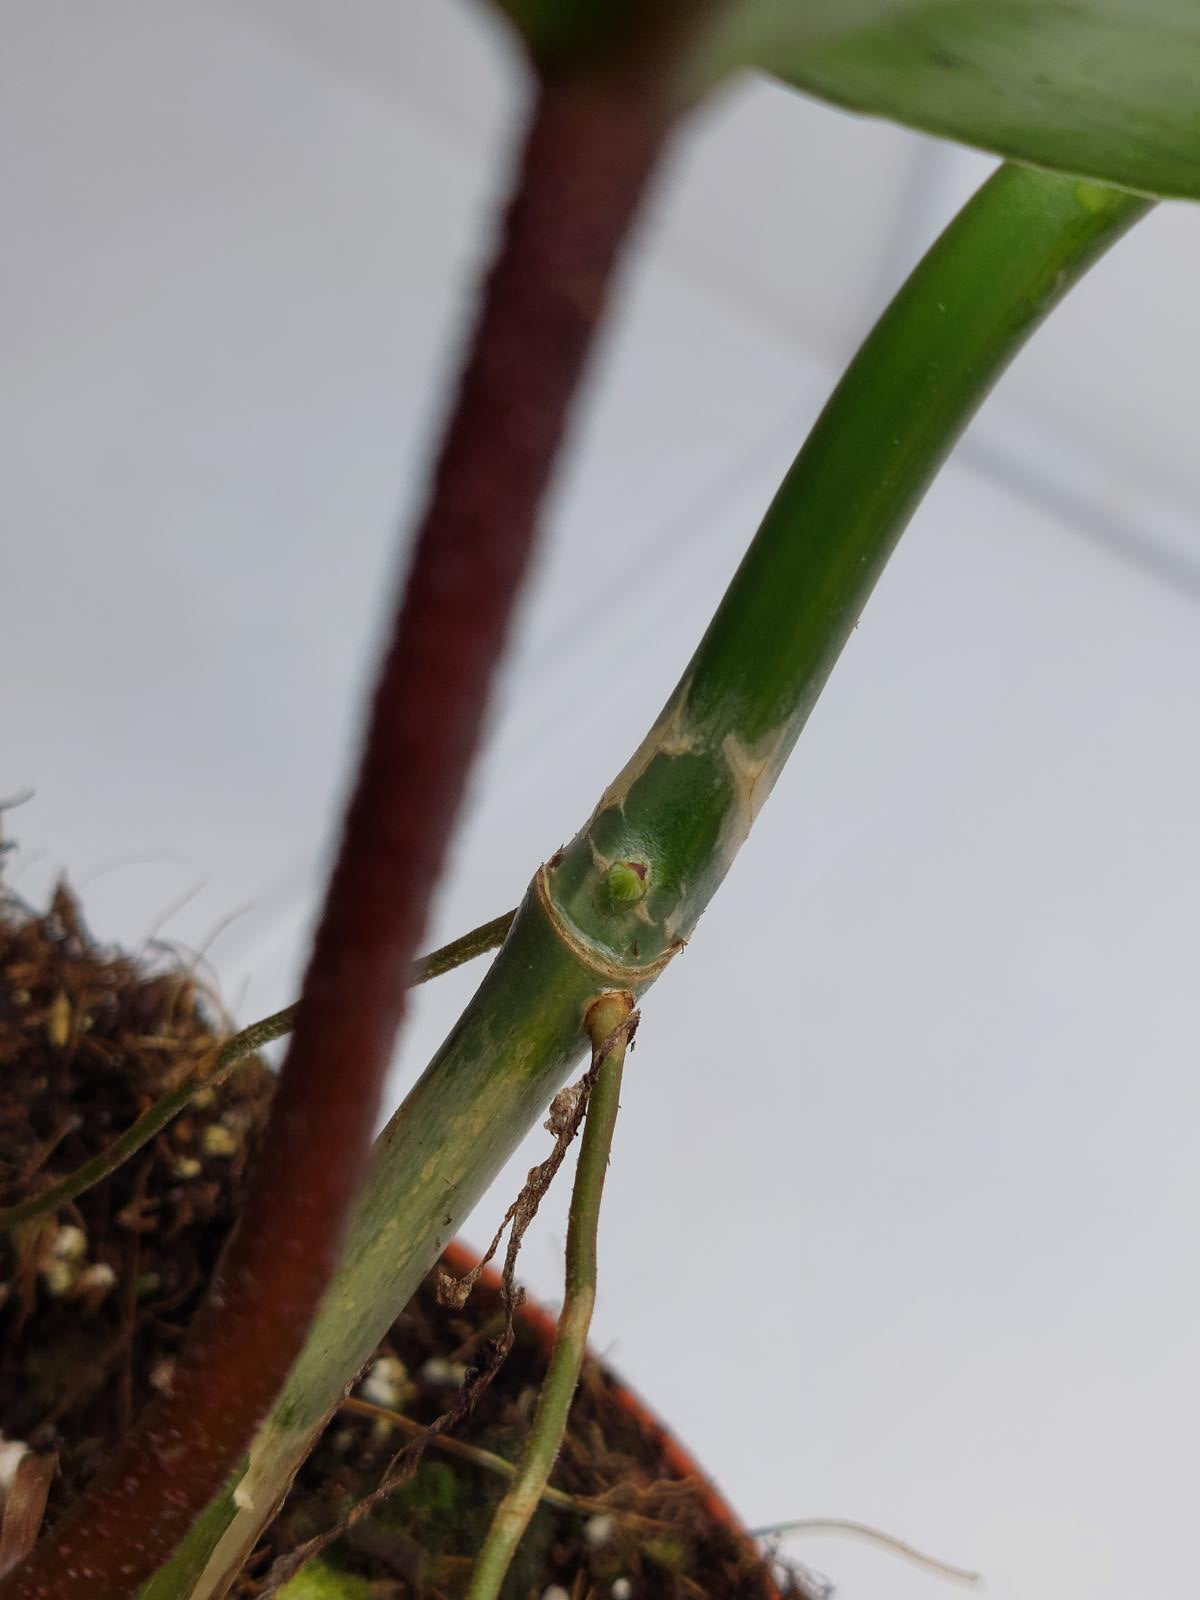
23	1497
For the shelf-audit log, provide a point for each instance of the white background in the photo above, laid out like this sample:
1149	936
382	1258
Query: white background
919	1105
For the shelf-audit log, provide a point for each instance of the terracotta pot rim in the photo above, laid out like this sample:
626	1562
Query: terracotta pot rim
460	1259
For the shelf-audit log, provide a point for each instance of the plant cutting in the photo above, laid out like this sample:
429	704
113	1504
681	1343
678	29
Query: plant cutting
331	1244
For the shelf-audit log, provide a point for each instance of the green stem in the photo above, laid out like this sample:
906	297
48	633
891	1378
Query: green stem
608	1017
684	804
488	936
236	1048
676	815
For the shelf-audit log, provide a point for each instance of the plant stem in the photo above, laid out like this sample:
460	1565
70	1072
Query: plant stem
488	936
687	797
589	152
686	800
208	1076
608	1022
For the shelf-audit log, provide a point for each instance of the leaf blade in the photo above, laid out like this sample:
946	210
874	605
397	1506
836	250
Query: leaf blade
1100	89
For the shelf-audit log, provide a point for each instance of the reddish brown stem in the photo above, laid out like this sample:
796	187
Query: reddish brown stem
589	151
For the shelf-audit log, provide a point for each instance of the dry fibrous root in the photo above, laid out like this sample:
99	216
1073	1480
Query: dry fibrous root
567	1111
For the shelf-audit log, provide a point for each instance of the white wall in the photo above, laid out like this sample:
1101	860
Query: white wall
920	1099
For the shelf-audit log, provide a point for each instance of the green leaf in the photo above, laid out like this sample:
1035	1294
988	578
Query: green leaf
1103	89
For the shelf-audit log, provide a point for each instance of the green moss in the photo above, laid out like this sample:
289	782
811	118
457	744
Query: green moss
436	1502
668	1553
319	1581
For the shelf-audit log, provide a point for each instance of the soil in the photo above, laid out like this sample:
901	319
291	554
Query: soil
97	1296
94	1302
